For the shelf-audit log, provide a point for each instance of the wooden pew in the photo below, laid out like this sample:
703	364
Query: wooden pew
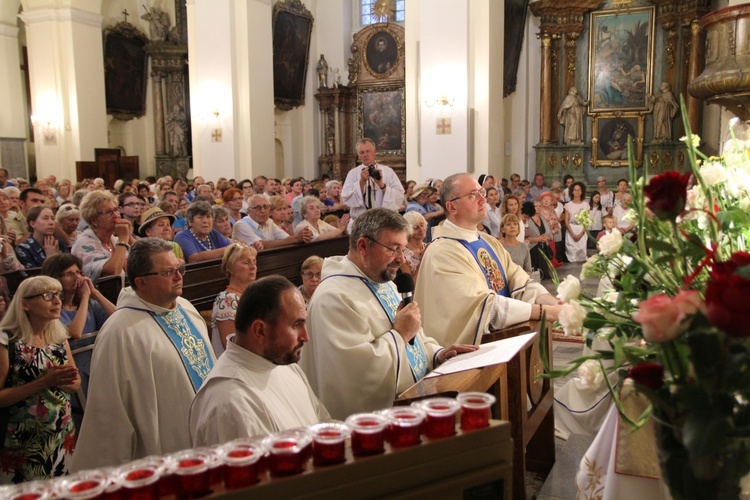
203	280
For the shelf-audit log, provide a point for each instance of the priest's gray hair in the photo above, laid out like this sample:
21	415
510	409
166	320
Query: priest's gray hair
449	186
141	253
371	223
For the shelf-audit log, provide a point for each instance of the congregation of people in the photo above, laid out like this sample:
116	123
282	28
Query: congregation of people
157	378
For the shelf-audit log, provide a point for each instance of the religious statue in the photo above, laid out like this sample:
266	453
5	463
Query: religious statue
570	116
335	78
665	107
177	129
158	23
322	72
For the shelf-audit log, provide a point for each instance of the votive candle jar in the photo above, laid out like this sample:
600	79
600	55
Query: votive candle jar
368	433
329	442
475	410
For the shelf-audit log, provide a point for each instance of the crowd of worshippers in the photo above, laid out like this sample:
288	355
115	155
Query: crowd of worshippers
275	356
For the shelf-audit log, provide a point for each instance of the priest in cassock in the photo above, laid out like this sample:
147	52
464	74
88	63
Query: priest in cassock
151	357
467	284
364	347
256	387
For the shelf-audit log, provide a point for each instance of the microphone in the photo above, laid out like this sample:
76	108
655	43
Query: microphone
405	286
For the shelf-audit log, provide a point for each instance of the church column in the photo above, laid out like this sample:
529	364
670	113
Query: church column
545	132
694	69
158	113
67	86
12	119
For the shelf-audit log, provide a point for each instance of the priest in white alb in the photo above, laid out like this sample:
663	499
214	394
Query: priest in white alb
150	358
365	348
256	387
467	283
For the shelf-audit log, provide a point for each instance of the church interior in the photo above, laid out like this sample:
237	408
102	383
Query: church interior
238	89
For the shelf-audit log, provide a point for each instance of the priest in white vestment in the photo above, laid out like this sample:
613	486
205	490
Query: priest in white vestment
149	360
467	284
256	387
361	354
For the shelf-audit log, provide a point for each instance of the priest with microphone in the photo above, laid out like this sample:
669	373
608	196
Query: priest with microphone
366	340
370	184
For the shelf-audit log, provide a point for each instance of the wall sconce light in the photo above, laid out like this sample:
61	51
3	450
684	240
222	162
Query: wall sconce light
47	126
440	101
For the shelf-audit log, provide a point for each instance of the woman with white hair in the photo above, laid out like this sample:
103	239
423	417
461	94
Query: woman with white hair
311	219
37	376
415	246
67	219
333	199
64	191
104	245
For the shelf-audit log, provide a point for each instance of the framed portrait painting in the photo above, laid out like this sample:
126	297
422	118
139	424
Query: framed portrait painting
292	28
381	117
621	59
383	53
609	139
125	71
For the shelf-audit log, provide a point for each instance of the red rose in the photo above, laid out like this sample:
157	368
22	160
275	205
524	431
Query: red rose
648	374
727	294
667	193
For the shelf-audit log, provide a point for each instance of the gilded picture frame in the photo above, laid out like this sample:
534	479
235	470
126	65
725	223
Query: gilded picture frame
382	117
292	30
621	59
125	71
383	52
609	139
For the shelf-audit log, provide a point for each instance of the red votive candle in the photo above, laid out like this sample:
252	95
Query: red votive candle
287	452
368	433
329	439
139	481
35	490
405	425
190	468
215	465
440	421
241	464
84	485
475	410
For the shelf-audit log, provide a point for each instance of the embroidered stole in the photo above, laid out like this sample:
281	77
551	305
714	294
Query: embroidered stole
389	301
188	342
490	265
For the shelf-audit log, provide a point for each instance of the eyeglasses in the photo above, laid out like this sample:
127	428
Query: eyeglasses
395	252
310	275
239	198
71	274
260	207
472	195
169	273
47	296
108	213
132	204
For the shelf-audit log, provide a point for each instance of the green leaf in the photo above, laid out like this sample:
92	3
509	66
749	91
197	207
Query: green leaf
705	351
704	433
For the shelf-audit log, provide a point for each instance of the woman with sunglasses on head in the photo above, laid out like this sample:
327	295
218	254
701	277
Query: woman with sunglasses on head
104	245
84	308
37	376
240	265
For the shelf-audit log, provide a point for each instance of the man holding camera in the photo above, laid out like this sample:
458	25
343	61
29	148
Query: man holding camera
371	185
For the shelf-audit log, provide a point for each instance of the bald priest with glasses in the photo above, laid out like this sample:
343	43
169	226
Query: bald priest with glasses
151	357
467	284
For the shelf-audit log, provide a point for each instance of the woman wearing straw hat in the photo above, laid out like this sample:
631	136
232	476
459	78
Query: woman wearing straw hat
156	223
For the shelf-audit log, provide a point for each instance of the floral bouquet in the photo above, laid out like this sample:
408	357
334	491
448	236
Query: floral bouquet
674	306
583	218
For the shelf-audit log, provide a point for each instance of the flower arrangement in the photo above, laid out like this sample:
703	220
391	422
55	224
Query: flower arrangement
676	314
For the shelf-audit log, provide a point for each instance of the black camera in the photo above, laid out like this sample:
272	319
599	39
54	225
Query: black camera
374	172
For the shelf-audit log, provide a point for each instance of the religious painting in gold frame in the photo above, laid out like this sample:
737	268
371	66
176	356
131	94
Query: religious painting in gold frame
381	116
621	59
383	52
609	139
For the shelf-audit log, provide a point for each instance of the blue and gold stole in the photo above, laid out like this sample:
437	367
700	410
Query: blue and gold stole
389	301
490	265
188	342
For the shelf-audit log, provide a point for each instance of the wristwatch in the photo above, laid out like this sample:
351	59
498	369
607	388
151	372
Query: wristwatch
123	244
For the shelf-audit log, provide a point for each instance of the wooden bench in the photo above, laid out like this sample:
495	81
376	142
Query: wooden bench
203	280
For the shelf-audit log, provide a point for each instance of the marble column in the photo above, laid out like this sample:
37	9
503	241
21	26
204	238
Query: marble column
546	112
160	141
694	69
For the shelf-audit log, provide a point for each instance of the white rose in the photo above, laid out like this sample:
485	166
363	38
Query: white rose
591	375
713	173
610	243
569	289
571	317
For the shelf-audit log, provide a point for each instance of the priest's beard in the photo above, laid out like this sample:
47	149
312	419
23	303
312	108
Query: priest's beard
276	355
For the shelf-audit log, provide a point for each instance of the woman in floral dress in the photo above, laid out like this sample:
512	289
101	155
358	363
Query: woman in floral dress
39	437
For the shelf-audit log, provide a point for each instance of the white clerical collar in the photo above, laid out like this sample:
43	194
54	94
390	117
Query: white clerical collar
465	234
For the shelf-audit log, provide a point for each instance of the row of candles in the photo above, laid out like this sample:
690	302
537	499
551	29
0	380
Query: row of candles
244	462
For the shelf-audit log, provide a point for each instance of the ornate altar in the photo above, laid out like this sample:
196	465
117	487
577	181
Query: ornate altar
371	105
